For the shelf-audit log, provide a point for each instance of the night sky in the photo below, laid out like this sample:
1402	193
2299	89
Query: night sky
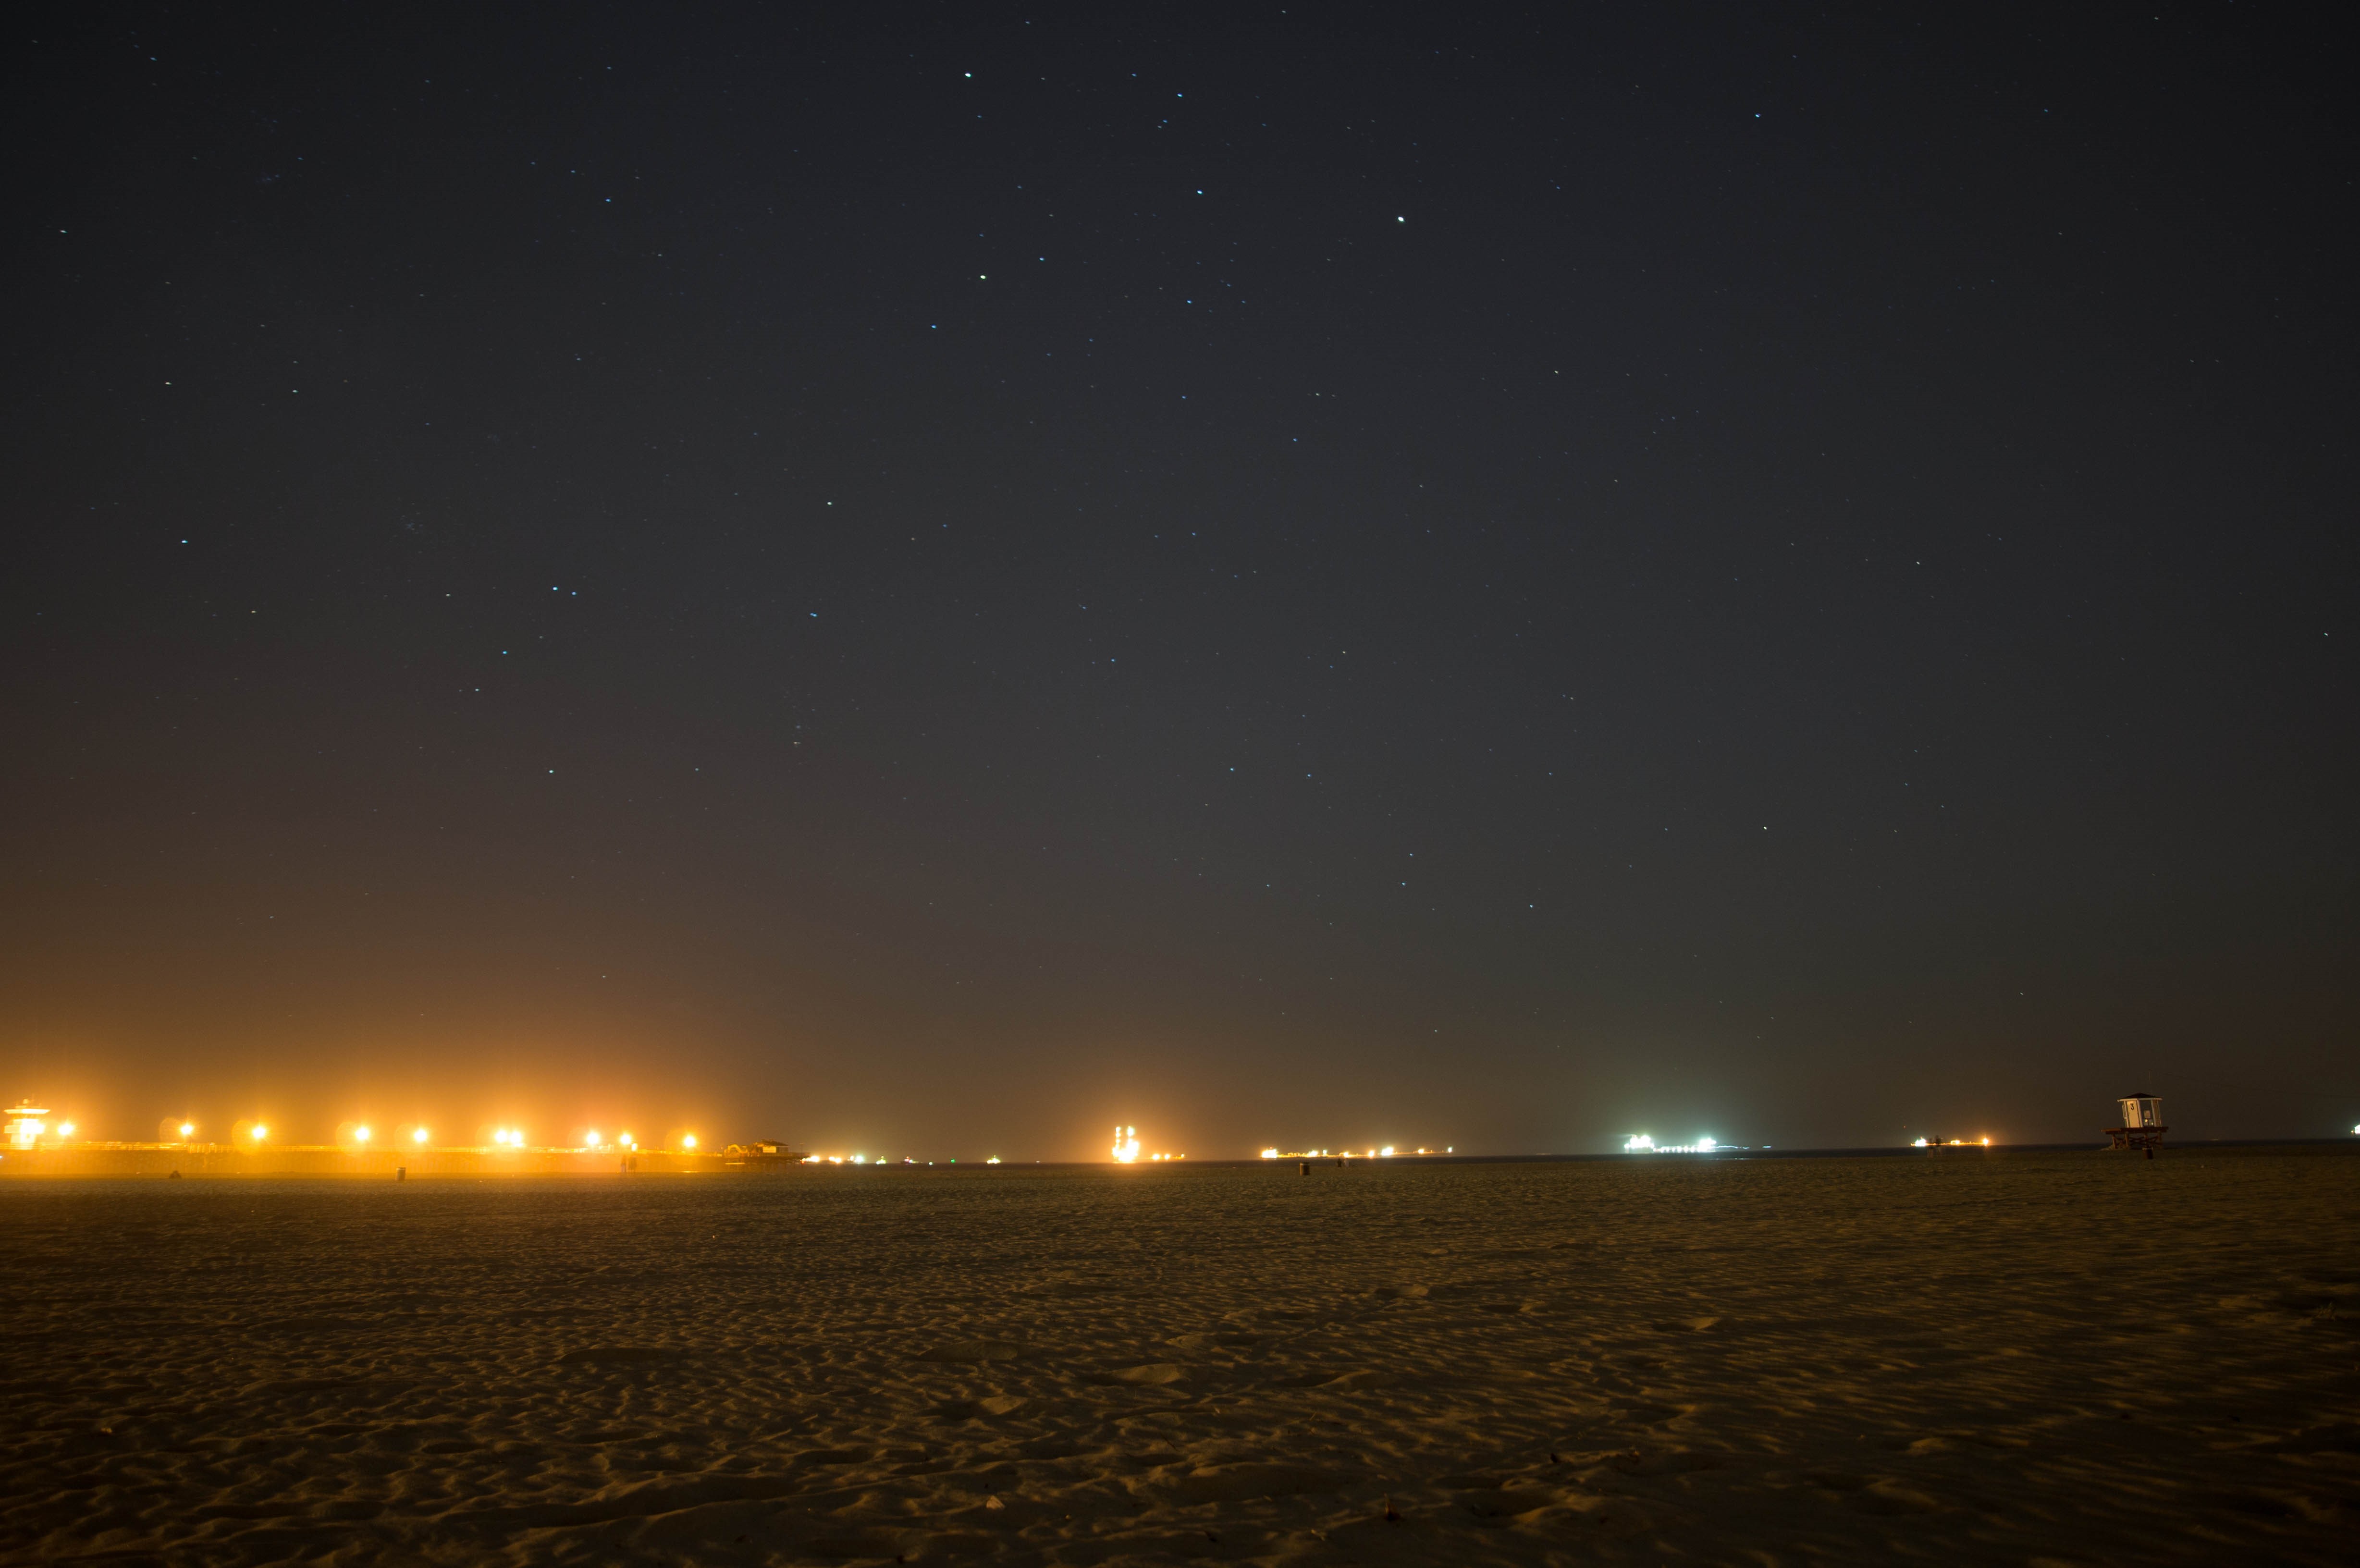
929	580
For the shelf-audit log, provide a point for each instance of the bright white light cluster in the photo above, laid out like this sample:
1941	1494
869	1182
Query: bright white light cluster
1126	1145
1640	1143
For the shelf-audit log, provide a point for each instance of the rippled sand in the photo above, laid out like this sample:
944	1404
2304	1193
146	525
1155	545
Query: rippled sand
1967	1358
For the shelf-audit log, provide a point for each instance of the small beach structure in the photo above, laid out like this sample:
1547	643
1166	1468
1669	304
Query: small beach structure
2142	1126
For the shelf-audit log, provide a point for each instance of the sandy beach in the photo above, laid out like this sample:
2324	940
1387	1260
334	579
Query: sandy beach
2016	1359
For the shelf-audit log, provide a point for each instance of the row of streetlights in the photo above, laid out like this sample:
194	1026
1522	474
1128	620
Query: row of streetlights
360	1135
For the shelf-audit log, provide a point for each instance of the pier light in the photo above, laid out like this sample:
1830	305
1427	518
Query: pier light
417	1136
360	1135
626	1140
261	1132
65	1129
188	1129
688	1141
25	1125
1387	1151
590	1138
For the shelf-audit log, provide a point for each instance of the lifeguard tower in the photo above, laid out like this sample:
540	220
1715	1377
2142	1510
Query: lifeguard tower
2142	1126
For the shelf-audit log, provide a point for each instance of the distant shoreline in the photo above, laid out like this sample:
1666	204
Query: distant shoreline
154	1162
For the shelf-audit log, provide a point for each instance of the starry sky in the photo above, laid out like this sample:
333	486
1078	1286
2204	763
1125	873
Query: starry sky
931	579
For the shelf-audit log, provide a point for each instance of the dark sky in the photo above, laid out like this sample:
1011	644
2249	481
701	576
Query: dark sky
929	579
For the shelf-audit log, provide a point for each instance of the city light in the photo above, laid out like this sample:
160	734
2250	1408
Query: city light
1640	1143
25	1125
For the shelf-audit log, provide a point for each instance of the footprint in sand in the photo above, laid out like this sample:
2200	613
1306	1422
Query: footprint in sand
1154	1375
1242	1482
610	1356
974	1350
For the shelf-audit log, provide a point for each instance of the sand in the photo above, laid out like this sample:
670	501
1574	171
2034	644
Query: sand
1963	1358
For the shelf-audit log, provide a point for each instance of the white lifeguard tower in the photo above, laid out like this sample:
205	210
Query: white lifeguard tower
2142	1126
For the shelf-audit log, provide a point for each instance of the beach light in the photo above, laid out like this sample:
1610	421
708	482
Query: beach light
590	1138
360	1135
626	1140
261	1132
187	1128
25	1125
1640	1143
417	1136
688	1141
